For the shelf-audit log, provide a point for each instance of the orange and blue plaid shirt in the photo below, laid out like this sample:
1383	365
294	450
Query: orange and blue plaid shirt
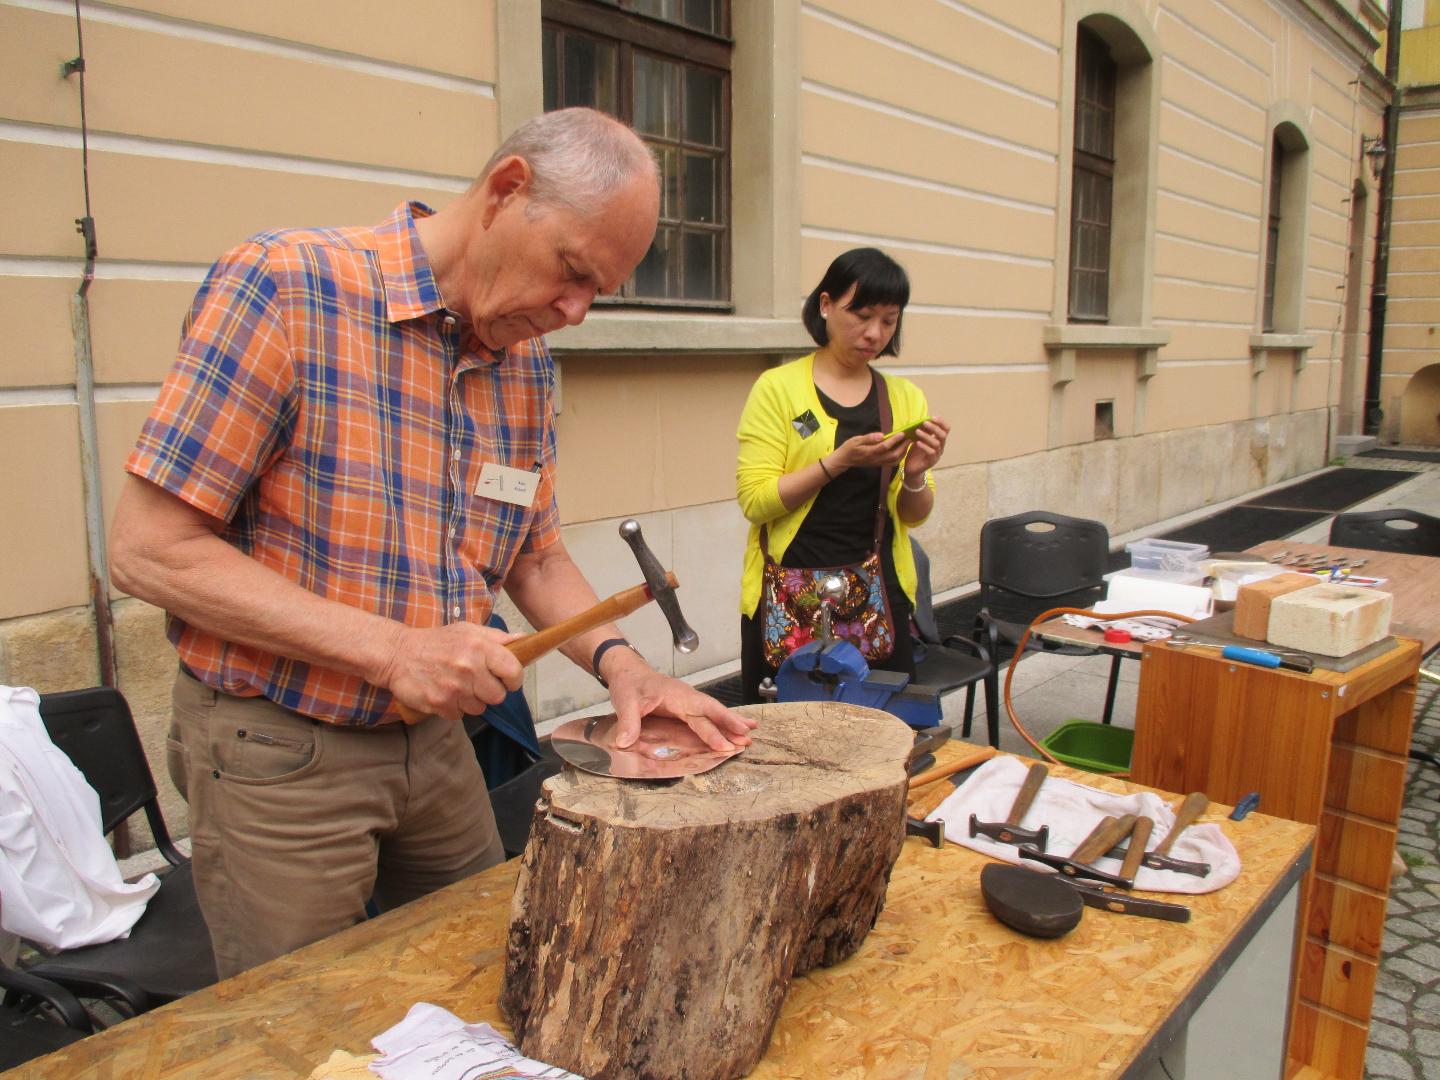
328	408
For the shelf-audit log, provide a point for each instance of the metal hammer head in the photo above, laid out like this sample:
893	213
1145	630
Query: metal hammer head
1005	833
686	640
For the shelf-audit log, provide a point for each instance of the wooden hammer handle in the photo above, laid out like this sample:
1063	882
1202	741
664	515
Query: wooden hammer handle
531	647
939	772
1104	836
1028	790
1194	805
1139	837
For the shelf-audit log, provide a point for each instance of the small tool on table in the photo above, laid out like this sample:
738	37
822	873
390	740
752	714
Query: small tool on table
1078	863
1010	830
1292	661
1160	859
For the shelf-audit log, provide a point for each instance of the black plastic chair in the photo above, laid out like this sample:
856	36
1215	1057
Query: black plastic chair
1032	562
37	1016
1374	530
952	662
168	953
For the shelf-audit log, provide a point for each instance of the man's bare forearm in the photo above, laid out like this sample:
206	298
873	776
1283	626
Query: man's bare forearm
549	588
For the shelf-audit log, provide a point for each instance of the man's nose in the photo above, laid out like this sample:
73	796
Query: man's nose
574	303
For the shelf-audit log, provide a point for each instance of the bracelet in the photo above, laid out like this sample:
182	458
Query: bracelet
600	651
924	478
828	474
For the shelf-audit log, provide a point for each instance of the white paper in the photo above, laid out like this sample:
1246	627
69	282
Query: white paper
1141	594
432	1043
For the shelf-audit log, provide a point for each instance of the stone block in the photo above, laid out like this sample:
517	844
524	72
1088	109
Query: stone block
1252	601
50	652
1015	485
1137	475
146	665
1183	484
1329	620
707	555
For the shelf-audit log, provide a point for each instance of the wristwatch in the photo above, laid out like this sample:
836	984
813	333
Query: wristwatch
600	651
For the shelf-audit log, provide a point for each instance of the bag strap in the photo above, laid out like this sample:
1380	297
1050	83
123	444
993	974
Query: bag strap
883	392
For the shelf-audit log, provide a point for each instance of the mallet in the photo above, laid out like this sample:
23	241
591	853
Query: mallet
1194	805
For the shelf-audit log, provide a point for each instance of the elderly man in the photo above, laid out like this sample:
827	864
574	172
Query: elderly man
354	451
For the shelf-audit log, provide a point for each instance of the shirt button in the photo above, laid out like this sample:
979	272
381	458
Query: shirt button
455	455
449	321
455	611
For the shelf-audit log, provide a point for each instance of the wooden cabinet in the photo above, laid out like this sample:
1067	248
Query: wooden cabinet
1327	749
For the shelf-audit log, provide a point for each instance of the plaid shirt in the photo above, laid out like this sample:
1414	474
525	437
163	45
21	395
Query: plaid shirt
336	416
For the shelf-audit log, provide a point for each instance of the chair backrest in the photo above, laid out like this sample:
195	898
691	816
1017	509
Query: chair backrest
1040	555
96	731
1377	530
924	613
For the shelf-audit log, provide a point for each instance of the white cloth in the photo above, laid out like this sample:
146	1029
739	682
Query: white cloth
59	883
1072	810
432	1043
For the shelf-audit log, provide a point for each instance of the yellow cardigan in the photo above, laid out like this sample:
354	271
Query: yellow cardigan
771	446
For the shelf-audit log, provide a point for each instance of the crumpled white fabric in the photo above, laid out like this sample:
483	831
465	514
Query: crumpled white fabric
1072	810
432	1043
59	883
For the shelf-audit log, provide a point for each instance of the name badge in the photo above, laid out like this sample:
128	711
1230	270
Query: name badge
806	424
507	485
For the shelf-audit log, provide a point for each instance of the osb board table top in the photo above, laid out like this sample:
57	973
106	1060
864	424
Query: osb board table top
938	989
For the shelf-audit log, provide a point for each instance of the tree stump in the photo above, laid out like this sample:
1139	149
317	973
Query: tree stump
656	925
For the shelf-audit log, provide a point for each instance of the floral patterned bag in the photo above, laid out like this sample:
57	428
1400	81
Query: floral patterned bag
790	600
790	609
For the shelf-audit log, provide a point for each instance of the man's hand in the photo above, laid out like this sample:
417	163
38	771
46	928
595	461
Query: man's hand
451	670
637	690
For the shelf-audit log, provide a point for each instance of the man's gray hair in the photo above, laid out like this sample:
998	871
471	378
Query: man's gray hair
577	158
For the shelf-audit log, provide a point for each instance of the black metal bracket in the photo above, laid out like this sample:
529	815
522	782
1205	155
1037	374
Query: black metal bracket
70	67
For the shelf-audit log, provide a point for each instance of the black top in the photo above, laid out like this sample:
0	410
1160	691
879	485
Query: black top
840	527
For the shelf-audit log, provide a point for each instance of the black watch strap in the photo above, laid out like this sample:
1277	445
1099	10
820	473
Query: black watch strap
600	651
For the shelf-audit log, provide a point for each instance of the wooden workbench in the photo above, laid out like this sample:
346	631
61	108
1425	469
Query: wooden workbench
938	989
1328	749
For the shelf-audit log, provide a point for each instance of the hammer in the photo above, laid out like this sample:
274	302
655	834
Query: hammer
660	586
1009	830
1159	859
1077	864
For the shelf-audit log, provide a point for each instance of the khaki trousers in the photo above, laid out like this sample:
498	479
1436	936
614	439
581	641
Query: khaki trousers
295	824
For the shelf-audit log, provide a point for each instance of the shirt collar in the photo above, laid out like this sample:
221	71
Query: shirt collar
410	289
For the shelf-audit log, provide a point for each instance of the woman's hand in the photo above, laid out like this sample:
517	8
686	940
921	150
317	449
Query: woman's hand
925	450
868	451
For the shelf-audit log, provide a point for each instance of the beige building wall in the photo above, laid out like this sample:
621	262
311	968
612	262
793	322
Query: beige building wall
1410	377
939	132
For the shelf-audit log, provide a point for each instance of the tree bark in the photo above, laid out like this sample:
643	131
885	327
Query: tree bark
656	925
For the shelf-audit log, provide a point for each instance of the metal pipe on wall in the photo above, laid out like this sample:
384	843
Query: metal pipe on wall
1379	290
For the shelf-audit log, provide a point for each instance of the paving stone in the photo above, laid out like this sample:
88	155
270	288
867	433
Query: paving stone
1427	1042
1430	919
1388	1009
1389	1037
1379	1062
1428	954
1428	1005
1408	969
1406	928
1390	984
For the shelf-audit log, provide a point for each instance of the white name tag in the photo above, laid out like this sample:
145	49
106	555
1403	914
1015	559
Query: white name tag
507	485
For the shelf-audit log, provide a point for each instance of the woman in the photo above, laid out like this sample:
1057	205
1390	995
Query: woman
812	450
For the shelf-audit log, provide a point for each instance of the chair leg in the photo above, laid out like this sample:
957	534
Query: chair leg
1110	689
969	710
992	709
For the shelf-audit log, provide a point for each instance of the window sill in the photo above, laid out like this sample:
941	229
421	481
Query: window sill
649	332
1298	342
1103	336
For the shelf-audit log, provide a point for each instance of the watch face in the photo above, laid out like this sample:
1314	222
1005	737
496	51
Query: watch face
666	749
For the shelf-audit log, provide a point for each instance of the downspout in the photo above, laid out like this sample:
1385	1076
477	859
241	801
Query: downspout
85	400
1379	292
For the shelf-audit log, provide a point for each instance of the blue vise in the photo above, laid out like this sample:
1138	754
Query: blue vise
833	670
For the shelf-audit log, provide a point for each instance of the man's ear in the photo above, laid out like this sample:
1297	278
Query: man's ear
510	177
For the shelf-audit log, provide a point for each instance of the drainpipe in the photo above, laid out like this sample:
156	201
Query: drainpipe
85	400
1379	293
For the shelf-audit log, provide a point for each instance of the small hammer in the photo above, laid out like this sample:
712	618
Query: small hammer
1077	864
1194	805
660	586
1009	831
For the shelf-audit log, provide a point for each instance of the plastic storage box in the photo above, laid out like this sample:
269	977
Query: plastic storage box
1084	744
1151	554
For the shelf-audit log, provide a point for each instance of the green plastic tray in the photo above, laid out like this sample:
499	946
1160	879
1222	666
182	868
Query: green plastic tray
1084	744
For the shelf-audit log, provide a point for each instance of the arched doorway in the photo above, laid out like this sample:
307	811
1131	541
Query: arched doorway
1420	408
